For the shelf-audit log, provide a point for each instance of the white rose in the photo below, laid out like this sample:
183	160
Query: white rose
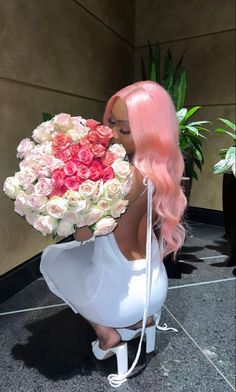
26	177
119	208
43	132
118	150
24	148
121	168
112	188
87	188
21	207
43	187
62	121
65	228
57	207
79	126
11	187
98	190
105	226
126	186
45	224
93	216
30	217
104	204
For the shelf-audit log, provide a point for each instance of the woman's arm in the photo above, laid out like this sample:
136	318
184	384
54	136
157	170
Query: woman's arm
83	234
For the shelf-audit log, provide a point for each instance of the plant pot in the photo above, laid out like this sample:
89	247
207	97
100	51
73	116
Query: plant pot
229	210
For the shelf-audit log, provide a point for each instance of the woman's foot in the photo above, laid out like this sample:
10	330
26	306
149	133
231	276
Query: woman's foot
108	337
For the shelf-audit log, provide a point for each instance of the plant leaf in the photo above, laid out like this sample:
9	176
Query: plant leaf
221	167
222	130
191	112
231	154
46	116
228	123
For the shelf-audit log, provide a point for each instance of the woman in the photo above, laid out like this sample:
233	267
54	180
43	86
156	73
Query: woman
105	280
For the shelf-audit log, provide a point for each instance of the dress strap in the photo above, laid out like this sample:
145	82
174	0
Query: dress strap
116	380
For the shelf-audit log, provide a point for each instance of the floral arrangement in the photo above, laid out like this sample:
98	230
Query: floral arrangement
70	176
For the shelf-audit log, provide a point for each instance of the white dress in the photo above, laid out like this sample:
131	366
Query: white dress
96	280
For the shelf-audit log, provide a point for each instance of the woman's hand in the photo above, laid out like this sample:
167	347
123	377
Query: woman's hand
83	234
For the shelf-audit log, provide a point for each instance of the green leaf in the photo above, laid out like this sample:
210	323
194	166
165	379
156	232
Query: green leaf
193	130
234	169
200	122
222	130
180	114
228	123
181	91
191	112
46	116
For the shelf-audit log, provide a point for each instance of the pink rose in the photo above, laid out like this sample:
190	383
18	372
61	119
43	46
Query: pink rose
63	155
70	168
93	137
92	124
98	150
105	226
104	131
58	192
57	178
60	141
83	172
85	156
108	173
73	183
96	170
43	187
74	149
85	143
108	158
36	203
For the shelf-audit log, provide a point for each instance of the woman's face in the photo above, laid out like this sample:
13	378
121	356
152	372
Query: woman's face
119	123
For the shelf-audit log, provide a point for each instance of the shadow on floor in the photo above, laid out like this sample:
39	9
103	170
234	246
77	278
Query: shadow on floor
60	348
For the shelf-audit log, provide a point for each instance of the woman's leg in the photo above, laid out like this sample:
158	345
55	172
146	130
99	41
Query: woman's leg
109	337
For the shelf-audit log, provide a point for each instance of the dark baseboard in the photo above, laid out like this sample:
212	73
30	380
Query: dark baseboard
205	215
21	276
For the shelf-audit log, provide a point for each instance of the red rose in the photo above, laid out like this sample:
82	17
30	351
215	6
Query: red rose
60	141
76	161
74	149
64	155
96	171
108	158
72	182
93	137
70	168
98	150
57	178
108	173
85	156
104	131
58	192
83	172
92	124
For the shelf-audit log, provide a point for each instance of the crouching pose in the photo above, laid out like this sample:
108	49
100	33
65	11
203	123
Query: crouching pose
106	279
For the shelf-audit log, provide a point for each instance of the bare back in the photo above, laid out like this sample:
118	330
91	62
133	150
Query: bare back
130	232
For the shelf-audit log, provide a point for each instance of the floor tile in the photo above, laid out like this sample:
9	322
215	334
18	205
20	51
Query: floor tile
49	350
207	312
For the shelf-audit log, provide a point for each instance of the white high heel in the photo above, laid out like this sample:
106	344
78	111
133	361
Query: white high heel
150	336
120	351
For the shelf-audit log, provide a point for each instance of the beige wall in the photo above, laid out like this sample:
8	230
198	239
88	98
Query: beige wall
206	28
56	56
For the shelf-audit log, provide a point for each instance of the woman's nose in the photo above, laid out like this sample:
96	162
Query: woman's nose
115	134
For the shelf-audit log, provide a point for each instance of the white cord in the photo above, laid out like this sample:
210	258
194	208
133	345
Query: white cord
116	380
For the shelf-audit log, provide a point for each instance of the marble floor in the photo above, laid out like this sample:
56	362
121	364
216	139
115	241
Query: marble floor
46	347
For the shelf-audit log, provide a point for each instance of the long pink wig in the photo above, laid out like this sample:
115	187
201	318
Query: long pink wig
154	127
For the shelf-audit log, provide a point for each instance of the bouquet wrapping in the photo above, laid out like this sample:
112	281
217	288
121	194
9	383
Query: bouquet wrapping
70	176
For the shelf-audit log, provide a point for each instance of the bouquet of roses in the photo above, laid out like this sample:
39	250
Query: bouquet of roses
70	176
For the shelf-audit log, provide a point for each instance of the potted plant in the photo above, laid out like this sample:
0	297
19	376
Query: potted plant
174	80
227	166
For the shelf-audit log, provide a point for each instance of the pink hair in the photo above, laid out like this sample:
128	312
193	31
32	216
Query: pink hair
154	126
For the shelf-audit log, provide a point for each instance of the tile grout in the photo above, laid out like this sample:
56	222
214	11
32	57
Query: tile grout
201	283
197	345
32	309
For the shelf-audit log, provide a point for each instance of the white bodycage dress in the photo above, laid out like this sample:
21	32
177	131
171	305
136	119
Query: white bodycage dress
97	281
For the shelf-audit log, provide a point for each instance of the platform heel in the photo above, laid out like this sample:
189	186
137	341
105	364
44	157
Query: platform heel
150	337
120	351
